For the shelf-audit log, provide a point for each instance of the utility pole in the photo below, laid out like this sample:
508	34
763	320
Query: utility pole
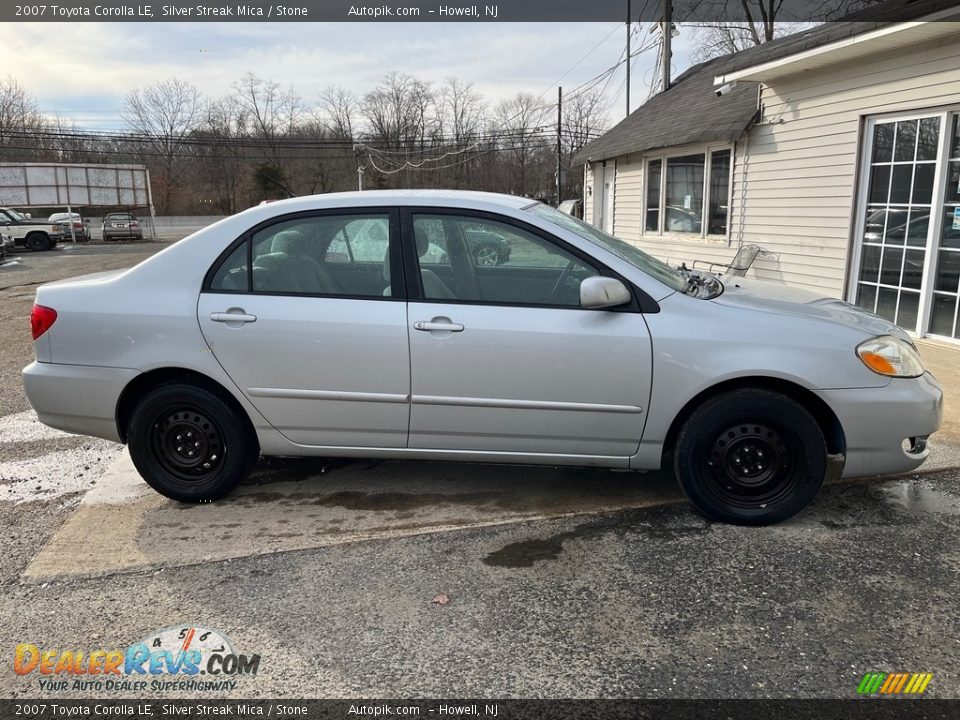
666	32
559	144
356	152
628	57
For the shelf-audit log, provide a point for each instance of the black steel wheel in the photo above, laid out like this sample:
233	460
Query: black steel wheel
190	444
38	242
750	457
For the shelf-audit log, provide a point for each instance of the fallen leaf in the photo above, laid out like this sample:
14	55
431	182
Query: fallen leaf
441	599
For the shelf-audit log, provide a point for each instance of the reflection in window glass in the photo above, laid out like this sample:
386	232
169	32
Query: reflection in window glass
883	142
232	275
719	192
684	194
906	144
929	139
490	261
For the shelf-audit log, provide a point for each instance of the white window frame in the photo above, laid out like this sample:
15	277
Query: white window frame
935	228
707	151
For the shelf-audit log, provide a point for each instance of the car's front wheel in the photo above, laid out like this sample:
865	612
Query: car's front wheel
38	242
750	457
189	444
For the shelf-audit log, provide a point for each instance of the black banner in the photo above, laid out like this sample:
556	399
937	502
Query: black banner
466	10
857	709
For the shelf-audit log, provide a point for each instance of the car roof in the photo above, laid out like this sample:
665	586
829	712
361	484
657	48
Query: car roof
402	197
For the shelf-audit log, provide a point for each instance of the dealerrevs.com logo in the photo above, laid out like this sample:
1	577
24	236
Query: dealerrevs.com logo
179	657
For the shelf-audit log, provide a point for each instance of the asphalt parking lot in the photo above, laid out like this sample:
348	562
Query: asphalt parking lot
561	583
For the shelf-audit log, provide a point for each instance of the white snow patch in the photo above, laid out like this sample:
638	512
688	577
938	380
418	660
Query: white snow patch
57	473
24	427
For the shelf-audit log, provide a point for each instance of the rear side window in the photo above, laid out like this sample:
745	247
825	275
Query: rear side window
232	275
329	255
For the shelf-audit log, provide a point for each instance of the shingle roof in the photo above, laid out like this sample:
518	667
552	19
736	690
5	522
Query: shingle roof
688	112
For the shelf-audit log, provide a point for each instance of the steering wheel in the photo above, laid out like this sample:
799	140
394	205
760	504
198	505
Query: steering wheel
563	275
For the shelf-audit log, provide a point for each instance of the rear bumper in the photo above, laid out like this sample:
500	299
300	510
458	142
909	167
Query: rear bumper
876	422
78	399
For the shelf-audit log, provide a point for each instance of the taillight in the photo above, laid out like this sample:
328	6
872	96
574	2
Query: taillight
41	320
134	224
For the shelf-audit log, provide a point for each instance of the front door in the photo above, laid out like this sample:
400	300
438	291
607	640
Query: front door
298	317
609	191
503	358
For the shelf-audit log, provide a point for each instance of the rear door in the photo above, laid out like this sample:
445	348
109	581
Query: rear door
504	359
307	333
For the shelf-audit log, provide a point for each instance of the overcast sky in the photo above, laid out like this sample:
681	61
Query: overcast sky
84	70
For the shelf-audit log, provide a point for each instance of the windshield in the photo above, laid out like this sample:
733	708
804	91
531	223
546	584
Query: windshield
625	251
14	214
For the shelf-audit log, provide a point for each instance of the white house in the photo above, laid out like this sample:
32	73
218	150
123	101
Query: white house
836	150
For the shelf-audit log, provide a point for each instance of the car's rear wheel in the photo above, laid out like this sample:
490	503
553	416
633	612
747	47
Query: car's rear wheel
750	457
190	444
38	242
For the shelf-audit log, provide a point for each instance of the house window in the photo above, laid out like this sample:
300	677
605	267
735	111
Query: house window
691	193
654	169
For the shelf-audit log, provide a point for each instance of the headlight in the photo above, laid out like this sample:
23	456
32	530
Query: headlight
891	356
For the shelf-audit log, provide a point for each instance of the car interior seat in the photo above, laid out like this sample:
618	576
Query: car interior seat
433	287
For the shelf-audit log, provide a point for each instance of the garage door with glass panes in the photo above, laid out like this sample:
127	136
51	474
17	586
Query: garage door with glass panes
908	224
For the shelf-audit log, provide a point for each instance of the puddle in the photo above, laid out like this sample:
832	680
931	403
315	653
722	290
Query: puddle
919	496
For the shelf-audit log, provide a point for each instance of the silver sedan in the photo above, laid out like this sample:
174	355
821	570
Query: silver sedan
361	325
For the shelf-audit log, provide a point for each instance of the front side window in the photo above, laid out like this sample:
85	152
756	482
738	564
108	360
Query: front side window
688	194
330	255
480	260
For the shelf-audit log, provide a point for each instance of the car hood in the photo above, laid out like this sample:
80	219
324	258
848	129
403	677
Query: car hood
783	299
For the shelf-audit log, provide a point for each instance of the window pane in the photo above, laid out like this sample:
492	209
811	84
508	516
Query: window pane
913	268
870	263
906	140
941	315
684	202
879	184
952	193
489	261
929	139
907	314
896	230
887	303
890	267
883	142
917	227
719	192
654	169
948	271
867	297
900	187
955	138
951	228
923	184
232	275
329	255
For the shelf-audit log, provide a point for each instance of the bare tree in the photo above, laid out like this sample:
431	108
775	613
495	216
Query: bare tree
584	118
338	109
165	114
517	121
19	120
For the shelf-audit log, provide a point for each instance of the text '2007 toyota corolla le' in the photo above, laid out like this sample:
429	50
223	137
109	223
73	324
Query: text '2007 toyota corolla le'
361	325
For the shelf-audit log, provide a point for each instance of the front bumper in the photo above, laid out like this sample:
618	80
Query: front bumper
78	399
877	421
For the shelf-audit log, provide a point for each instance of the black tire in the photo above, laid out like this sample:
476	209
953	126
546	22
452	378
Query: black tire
38	242
750	457
178	419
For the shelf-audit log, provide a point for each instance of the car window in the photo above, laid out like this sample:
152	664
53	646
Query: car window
482	260
325	255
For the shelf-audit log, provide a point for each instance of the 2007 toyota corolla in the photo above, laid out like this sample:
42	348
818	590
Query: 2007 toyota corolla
361	325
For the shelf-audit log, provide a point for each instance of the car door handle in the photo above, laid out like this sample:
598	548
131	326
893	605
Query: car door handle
434	326
232	317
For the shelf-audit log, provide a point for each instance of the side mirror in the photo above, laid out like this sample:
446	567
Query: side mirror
603	292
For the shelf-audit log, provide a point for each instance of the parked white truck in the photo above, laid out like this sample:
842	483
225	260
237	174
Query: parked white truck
29	233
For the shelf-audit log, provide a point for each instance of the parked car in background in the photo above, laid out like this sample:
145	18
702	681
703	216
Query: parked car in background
26	232
6	245
582	350
119	225
487	248
80	229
